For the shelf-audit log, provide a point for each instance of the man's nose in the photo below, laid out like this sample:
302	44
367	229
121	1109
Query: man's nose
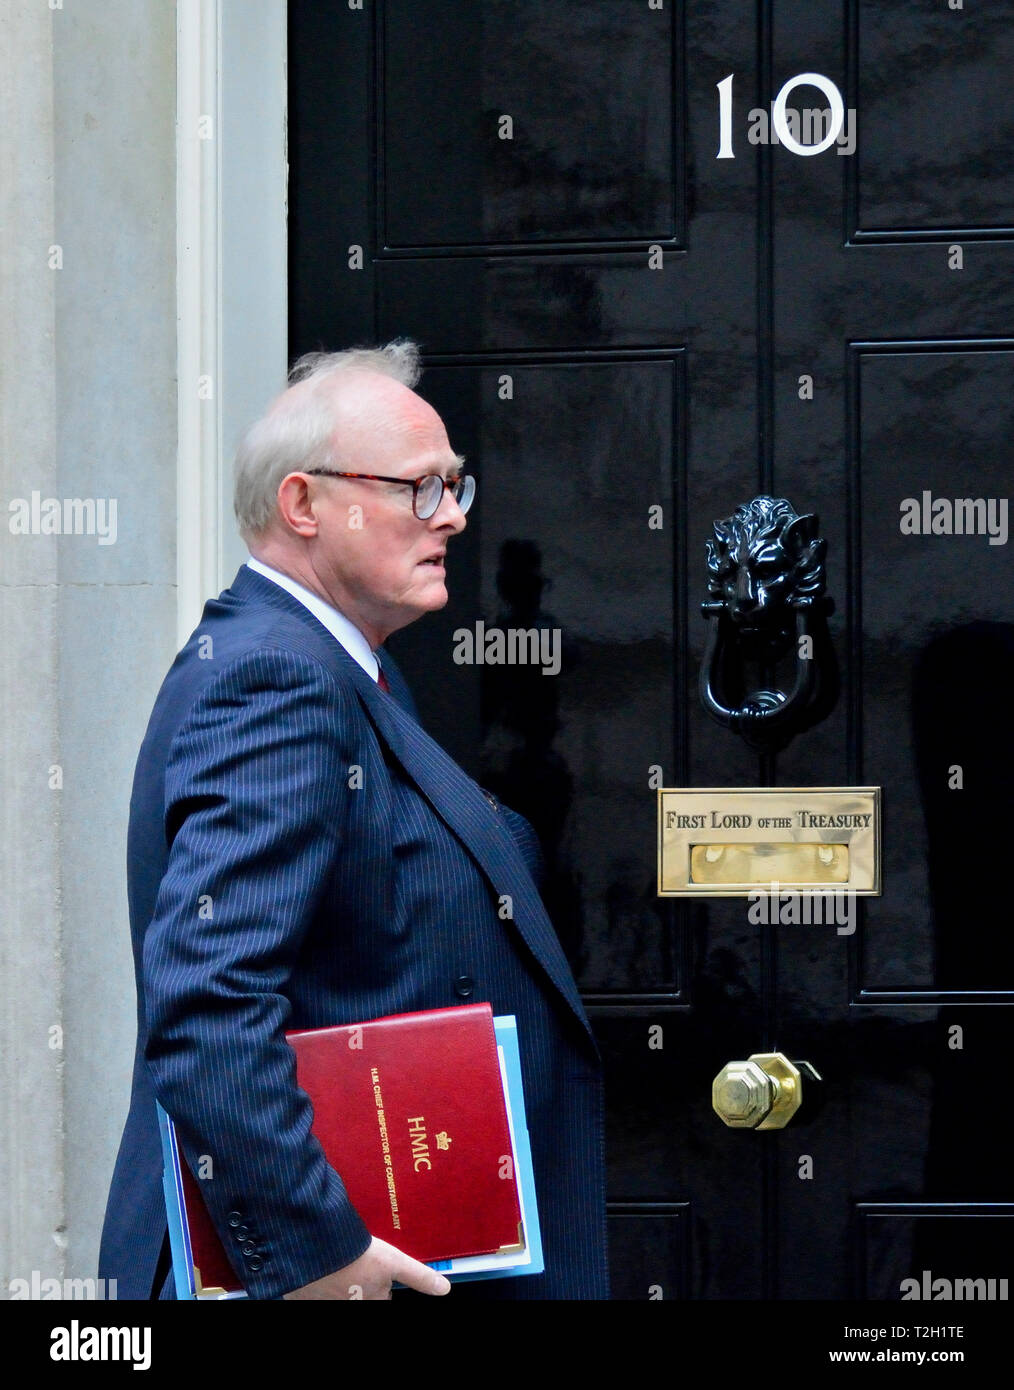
449	513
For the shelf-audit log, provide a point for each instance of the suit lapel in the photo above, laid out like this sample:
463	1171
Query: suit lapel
459	802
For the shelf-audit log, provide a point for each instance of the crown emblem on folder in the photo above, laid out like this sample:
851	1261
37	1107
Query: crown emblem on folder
443	1140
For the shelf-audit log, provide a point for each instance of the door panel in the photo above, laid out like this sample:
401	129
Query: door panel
598	125
937	119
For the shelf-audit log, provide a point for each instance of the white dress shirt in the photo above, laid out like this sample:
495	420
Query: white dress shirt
336	623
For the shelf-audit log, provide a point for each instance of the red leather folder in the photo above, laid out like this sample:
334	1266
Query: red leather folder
410	1112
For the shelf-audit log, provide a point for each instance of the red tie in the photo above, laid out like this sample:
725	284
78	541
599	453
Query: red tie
382	679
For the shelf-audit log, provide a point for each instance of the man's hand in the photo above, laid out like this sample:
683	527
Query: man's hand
372	1274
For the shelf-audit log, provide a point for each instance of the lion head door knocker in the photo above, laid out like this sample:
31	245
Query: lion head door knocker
766	605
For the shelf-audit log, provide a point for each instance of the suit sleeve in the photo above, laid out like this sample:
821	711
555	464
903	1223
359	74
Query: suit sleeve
255	787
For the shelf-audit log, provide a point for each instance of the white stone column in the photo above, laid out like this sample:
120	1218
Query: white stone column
87	621
32	1232
118	289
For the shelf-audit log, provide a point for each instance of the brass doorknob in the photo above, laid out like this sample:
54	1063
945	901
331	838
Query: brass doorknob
764	1092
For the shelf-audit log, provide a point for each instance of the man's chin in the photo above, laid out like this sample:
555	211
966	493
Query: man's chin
434	596
430	602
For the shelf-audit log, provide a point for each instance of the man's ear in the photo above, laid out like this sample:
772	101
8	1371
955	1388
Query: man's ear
296	505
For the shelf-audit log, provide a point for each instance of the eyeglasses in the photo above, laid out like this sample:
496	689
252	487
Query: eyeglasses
427	491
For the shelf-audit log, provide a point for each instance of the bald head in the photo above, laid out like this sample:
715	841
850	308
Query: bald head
300	429
375	419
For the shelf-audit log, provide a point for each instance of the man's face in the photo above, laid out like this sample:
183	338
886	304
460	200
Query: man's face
373	557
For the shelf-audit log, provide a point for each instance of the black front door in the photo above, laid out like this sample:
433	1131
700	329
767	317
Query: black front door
640	307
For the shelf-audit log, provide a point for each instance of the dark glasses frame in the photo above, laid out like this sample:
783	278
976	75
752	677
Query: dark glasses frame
462	487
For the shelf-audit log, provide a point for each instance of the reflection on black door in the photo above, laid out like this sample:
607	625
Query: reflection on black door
628	336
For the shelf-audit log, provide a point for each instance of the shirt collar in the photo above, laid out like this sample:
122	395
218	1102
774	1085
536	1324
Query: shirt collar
341	628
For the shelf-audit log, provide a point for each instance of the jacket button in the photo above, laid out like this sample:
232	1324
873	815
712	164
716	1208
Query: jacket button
234	1218
255	1262
241	1233
463	986
249	1248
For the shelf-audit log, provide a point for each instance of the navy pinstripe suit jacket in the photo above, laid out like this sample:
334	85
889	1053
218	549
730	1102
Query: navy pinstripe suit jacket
302	853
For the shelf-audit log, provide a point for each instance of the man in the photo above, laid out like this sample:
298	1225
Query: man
301	853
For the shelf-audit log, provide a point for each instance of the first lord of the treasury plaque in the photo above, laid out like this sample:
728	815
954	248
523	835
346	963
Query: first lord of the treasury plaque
730	843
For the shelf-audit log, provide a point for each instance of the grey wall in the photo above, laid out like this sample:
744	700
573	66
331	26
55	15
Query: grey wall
87	410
